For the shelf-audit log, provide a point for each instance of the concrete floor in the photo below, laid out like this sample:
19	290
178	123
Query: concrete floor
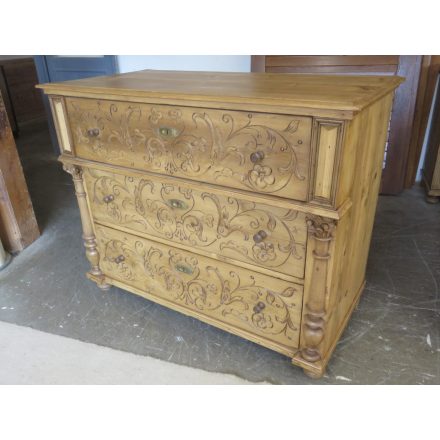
29	356
392	338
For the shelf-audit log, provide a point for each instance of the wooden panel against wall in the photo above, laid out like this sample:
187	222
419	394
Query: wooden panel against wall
429	73
401	125
7	100
18	226
431	165
332	64
21	78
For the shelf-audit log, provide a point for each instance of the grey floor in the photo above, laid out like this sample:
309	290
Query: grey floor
392	338
29	356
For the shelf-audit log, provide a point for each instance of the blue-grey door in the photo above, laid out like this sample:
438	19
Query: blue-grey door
56	68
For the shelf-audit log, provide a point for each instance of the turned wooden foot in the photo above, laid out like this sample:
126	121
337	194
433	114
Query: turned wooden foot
432	199
100	281
104	286
313	374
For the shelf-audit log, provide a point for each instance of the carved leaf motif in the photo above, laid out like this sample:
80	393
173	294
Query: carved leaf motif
271	138
137	195
291	215
234	246
271	223
226	172
208	220
292	127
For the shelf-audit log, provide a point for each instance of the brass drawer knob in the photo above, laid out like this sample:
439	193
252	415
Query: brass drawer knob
93	132
176	203
184	269
109	198
167	132
259	307
256	157
259	236
119	259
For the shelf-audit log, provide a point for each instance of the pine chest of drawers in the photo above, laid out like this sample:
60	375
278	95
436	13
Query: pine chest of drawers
244	200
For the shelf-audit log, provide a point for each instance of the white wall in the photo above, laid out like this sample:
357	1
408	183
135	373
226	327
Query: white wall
221	63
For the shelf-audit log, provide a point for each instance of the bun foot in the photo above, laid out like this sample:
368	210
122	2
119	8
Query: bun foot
313	374
432	199
104	286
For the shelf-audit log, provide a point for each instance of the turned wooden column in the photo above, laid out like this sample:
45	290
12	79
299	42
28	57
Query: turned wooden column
88	234
320	232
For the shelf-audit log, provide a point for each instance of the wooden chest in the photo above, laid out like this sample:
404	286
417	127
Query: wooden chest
244	200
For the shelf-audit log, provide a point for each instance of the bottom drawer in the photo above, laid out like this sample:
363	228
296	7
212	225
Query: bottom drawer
267	307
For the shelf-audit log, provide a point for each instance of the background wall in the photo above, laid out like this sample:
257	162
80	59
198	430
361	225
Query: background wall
225	63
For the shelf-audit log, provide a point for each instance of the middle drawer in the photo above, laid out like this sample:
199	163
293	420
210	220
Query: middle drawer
219	225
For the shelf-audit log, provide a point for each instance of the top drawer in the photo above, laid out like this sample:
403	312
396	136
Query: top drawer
260	152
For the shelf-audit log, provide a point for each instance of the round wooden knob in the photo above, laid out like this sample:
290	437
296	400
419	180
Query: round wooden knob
93	132
258	156
259	307
259	236
109	198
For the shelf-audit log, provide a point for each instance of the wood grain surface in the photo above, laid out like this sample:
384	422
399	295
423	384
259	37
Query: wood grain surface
311	91
18	225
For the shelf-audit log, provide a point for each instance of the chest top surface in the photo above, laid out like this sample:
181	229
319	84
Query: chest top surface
335	92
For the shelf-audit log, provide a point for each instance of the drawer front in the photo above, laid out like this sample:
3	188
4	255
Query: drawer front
254	151
266	306
253	233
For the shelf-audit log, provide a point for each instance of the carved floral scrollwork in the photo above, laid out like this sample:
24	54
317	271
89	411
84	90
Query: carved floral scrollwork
75	171
261	176
182	278
320	227
257	137
205	145
223	224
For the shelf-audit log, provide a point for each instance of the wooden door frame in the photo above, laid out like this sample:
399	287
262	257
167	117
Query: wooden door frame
430	71
431	163
44	77
4	90
18	225
401	125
